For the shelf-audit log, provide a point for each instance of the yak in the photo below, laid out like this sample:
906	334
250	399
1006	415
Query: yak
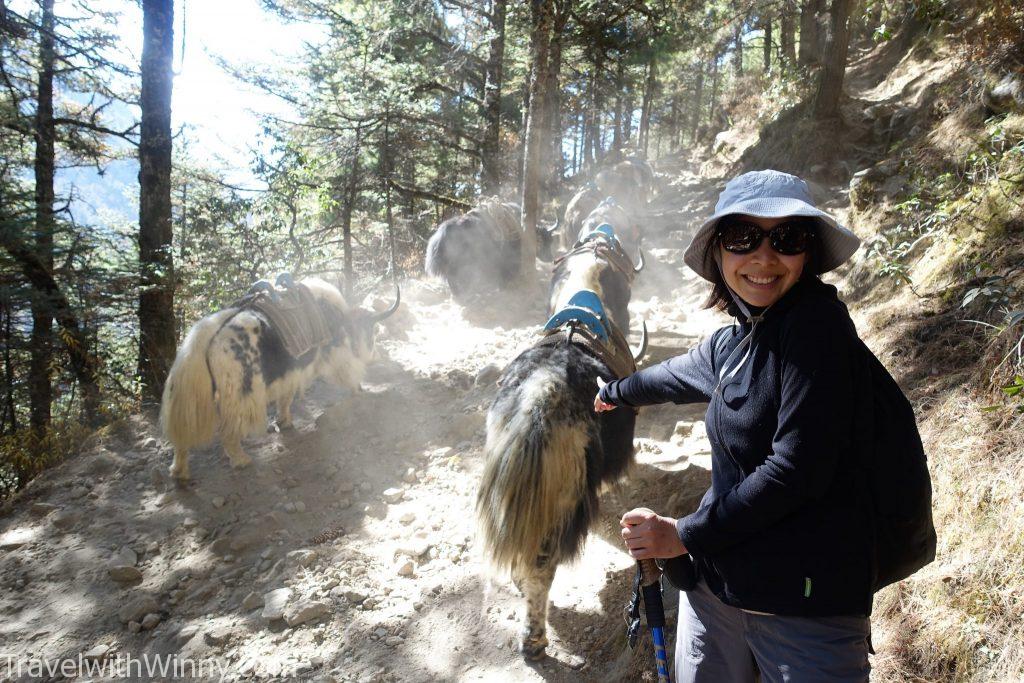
615	280
627	184
480	250
547	453
234	363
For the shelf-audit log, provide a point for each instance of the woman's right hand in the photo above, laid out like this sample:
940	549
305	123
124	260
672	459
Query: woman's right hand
599	405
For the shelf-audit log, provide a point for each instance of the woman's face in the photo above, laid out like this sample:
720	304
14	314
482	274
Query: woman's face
761	277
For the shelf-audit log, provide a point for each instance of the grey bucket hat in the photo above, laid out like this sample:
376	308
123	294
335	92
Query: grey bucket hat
770	194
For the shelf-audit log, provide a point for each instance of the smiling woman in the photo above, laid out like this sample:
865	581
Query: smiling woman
781	544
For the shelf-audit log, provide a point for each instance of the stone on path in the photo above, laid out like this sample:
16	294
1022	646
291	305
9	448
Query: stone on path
305	610
275	602
137	608
124	573
393	495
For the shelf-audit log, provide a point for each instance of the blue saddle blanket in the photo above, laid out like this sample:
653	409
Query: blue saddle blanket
585	308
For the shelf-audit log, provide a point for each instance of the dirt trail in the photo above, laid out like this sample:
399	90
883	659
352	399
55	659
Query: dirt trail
356	527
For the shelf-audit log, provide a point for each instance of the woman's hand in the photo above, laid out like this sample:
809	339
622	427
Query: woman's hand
648	535
599	405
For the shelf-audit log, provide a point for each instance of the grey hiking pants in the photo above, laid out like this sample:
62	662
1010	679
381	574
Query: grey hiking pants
717	643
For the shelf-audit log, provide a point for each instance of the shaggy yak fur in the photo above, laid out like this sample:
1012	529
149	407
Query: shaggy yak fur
547	455
479	251
233	365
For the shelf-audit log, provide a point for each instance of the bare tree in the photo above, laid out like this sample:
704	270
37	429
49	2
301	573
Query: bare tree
490	154
41	348
542	18
830	83
157	338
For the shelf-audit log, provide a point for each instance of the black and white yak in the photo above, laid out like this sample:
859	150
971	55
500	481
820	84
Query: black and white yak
548	453
616	280
233	364
627	185
479	251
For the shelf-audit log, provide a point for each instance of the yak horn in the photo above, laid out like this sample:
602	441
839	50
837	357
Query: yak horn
377	317
640	260
261	286
638	356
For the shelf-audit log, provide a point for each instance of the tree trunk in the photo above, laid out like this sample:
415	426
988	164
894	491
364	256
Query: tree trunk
698	98
347	207
787	33
810	33
10	412
83	364
40	389
541	13
553	166
157	337
737	47
490	154
384	159
620	89
766	23
830	82
650	87
714	91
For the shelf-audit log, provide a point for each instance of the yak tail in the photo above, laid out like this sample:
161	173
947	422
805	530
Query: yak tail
437	263
534	485
188	411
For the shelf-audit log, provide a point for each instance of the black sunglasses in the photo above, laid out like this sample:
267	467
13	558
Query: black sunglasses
789	238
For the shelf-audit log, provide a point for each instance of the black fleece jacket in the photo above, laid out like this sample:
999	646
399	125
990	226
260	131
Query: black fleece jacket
785	526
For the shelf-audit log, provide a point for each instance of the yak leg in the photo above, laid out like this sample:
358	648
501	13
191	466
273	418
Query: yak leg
179	468
535	585
233	448
284	412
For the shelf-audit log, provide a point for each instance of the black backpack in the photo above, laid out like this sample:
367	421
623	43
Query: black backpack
898	482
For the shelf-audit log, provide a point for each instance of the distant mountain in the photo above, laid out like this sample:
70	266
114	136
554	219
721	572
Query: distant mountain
99	198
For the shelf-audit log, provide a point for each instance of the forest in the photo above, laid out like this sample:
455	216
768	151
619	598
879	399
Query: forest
120	229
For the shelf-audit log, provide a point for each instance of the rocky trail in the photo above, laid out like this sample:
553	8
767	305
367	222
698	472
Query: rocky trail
346	551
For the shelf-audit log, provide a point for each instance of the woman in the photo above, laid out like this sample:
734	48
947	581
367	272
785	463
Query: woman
781	541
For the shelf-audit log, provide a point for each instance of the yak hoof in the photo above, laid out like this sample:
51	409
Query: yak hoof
533	650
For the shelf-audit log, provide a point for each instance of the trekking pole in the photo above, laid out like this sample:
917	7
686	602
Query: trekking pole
647	584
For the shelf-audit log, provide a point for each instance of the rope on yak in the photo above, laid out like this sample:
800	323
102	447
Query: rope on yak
647	585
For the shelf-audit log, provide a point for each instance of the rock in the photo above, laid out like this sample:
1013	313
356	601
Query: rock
487	375
79	492
134	626
96	653
218	635
575	662
306	610
413	547
393	495
1007	96
65	519
408	518
393	641
354	596
301	558
895	185
15	538
289	507
300	506
217	501
190	523
42	509
346	487
275	602
410	475
150	621
407	569
252	601
125	556
137	608
124	573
